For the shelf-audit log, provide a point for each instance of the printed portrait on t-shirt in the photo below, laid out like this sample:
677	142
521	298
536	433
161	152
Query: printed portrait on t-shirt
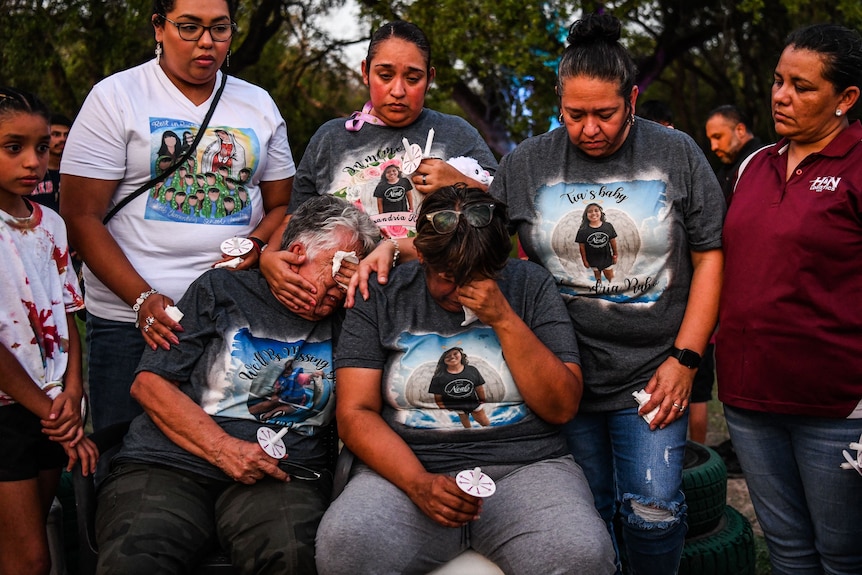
224	157
393	191
380	184
452	382
384	192
376	172
287	383
459	387
585	221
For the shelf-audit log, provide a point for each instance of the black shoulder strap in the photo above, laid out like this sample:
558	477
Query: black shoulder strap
164	175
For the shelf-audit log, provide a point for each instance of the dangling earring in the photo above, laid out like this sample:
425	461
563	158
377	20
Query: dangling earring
560	118
838	112
158	52
228	58
632	119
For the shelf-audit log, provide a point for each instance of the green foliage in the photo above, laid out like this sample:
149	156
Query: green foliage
60	49
495	59
304	71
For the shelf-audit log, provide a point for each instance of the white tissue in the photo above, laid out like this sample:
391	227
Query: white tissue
642	397
853	463
469	316
340	257
174	313
229	263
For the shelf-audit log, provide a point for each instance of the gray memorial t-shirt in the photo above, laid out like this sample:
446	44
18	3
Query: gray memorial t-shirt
247	361
401	330
662	199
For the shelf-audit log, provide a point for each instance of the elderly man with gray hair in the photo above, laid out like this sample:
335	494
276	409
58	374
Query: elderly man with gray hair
191	473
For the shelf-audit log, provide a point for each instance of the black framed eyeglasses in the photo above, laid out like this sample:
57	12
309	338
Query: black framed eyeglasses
192	32
445	221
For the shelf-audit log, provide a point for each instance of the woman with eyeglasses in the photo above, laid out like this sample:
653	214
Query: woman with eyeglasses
505	314
645	326
145	257
348	158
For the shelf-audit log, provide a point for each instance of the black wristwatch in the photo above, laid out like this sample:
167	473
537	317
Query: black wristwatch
690	359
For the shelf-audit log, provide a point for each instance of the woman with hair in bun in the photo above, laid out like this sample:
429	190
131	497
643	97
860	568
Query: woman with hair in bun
642	332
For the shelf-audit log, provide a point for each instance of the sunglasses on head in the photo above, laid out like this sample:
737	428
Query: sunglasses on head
445	221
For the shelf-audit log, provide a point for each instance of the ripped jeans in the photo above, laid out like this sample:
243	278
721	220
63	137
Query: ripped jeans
638	473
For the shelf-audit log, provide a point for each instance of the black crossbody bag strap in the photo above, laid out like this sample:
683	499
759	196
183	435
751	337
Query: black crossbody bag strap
186	155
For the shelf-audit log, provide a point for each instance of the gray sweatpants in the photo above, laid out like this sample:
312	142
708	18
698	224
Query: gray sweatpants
540	520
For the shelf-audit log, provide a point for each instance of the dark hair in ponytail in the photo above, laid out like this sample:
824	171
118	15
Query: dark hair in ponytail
403	30
162	7
840	48
13	100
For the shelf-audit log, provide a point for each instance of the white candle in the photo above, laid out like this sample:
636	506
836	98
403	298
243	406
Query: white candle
428	143
477	474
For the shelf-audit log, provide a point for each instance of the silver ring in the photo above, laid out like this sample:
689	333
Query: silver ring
150	320
424	181
679	407
146	329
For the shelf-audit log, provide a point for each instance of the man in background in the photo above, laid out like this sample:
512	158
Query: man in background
731	140
47	193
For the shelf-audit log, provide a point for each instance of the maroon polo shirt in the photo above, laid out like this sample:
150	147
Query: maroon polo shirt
790	321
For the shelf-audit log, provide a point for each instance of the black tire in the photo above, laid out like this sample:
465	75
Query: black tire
704	482
726	550
66	495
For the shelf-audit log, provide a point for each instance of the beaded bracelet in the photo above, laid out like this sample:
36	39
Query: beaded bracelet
397	251
140	301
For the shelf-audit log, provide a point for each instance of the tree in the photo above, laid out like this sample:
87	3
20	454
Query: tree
496	60
60	49
716	52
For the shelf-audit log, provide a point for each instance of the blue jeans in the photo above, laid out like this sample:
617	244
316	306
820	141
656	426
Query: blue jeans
810	509
114	349
637	473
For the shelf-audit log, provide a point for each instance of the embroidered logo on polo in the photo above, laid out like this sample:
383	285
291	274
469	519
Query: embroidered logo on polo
827	183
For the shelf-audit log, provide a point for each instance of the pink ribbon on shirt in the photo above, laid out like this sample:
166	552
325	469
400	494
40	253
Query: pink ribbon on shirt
357	119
